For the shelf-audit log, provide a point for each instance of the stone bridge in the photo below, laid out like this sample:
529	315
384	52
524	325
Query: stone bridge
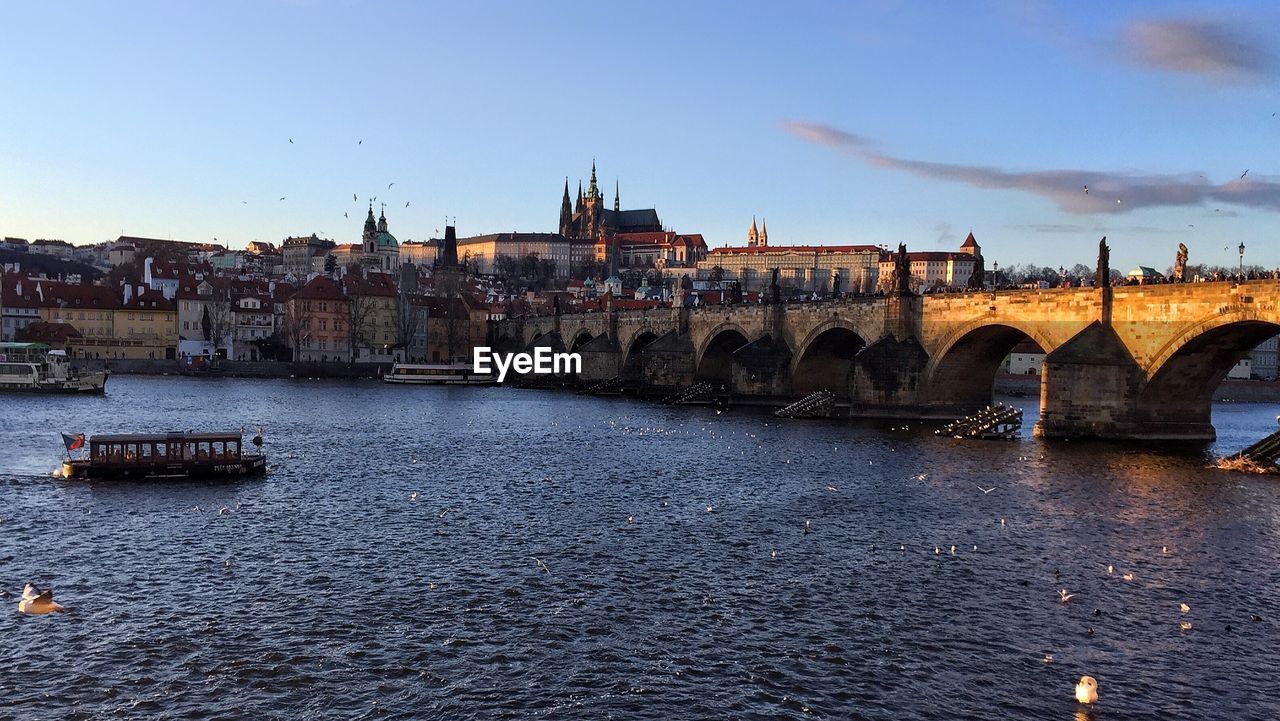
1126	362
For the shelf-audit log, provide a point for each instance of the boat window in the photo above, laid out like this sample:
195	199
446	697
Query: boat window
202	450
191	451
233	449
218	449
162	450
145	454
175	450
130	452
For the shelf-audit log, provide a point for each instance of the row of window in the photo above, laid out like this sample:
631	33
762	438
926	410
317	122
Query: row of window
162	452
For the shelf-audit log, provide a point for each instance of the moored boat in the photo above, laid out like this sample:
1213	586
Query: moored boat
163	455
461	374
34	368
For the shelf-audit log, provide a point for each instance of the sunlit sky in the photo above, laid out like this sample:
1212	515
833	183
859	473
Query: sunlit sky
873	123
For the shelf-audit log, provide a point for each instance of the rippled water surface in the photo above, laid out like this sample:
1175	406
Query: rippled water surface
679	581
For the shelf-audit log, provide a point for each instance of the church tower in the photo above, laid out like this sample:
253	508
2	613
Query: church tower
764	234
370	237
592	207
753	235
617	201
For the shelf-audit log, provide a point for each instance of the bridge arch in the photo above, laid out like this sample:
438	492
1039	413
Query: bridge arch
1184	374
962	372
825	359
581	338
713	360
639	341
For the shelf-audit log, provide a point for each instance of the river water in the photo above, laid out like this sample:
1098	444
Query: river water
677	580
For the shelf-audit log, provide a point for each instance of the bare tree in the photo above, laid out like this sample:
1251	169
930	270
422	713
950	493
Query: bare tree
221	317
359	314
297	324
408	318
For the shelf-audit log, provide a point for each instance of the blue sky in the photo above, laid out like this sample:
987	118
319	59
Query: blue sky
870	123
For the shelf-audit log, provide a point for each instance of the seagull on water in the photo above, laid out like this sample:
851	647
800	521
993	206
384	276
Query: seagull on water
1066	597
986	490
541	565
1127	576
1087	690
413	497
1185	625
1184	608
37	602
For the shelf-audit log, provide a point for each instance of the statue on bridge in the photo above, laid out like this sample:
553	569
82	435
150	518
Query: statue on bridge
835	285
1180	264
736	293
775	289
900	281
1103	278
978	279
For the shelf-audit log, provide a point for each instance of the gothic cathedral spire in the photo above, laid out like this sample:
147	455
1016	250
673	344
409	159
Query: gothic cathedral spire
753	235
566	211
593	191
764	233
617	204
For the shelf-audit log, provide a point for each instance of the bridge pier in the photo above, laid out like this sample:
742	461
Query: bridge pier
1093	388
762	368
666	364
887	378
601	359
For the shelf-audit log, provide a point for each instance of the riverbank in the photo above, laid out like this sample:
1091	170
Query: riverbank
242	369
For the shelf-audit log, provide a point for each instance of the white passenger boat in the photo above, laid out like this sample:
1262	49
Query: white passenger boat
449	374
33	368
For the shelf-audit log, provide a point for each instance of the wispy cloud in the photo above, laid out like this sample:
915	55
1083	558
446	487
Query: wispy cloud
1197	47
1107	192
824	135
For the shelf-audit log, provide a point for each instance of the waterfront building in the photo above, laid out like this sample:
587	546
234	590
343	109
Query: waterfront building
1263	360
89	308
316	319
253	322
446	329
19	304
145	325
372	305
19	244
58	336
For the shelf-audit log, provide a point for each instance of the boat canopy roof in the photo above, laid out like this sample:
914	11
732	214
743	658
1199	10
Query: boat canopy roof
172	436
23	346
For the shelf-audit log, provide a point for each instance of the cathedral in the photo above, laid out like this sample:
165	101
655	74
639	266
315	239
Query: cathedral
588	219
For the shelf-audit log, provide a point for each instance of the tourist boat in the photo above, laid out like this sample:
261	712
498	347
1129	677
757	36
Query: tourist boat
163	455
456	374
34	368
